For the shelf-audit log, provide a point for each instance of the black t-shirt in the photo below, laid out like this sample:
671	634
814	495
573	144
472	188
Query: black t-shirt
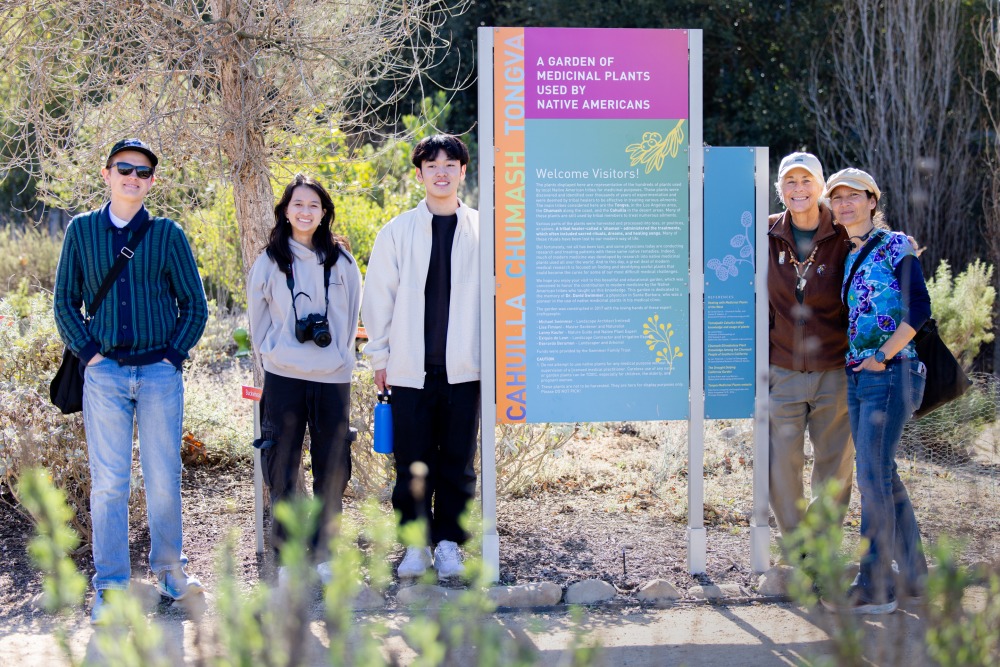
437	290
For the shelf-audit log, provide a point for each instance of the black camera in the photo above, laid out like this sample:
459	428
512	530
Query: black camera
314	328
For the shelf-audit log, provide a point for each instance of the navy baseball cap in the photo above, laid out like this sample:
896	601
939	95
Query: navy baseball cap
133	145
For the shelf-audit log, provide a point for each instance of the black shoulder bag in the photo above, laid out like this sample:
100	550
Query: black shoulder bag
66	388
946	380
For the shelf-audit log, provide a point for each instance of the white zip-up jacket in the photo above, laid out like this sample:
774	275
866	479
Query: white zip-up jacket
393	305
272	321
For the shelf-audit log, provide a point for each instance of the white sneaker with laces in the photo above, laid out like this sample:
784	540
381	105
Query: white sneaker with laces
448	560
414	563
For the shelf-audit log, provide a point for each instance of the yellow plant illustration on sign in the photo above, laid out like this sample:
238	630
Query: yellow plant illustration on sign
654	148
659	335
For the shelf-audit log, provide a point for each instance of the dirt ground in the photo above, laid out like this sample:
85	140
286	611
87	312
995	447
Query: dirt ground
611	506
599	514
695	635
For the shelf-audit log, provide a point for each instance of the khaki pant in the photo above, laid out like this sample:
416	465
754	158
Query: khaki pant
807	400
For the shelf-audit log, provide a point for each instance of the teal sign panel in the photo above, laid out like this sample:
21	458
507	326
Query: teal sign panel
730	275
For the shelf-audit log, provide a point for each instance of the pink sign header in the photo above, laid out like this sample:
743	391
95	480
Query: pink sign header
587	73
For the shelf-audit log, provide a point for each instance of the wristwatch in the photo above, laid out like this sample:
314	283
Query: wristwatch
880	356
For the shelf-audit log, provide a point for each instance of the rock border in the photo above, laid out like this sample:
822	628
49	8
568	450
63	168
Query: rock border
770	586
656	593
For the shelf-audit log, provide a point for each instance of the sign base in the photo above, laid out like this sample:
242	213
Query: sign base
760	548
697	547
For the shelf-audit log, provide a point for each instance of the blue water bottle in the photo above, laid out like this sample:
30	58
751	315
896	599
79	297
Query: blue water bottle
382	439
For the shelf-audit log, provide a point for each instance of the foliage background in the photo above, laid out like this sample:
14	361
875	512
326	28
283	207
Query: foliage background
761	60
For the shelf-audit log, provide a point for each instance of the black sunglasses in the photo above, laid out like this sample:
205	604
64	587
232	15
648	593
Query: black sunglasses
126	169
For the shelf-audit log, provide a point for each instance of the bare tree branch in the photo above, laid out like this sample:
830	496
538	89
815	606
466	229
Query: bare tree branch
899	108
988	36
215	85
988	87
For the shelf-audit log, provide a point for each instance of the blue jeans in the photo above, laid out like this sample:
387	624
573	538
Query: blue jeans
880	404
114	398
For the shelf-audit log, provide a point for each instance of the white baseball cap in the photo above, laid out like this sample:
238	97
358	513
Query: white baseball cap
806	161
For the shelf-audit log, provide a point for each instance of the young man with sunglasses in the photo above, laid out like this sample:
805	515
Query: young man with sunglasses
133	347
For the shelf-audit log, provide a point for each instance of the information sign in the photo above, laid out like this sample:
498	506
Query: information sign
592	224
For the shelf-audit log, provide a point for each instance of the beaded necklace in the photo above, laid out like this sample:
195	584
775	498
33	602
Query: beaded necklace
801	269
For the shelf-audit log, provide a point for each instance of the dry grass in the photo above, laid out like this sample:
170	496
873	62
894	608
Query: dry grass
27	253
615	469
642	467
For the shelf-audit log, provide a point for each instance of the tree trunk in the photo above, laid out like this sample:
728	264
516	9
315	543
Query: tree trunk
244	143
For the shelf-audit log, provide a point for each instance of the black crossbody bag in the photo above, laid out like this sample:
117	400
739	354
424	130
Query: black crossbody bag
66	388
946	380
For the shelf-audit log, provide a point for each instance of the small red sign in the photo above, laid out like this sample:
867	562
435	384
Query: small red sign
252	393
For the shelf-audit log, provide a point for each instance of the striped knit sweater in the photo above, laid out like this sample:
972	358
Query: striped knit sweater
156	309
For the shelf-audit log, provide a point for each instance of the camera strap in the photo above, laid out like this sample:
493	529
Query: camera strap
290	281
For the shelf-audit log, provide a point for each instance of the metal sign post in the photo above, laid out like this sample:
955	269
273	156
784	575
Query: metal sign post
254	394
491	540
760	530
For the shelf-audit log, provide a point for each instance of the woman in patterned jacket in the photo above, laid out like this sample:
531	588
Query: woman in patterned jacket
887	304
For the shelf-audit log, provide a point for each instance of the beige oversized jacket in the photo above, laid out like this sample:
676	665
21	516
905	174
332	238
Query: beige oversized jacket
393	305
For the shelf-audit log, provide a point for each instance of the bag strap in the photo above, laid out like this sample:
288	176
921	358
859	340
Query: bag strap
290	281
866	250
123	257
929	327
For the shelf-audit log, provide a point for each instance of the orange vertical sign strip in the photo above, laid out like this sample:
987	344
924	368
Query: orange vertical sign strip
510	225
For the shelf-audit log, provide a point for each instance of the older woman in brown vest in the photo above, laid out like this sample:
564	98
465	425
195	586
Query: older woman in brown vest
808	390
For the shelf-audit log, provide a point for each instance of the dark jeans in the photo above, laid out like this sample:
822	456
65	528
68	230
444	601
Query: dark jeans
879	405
287	407
436	425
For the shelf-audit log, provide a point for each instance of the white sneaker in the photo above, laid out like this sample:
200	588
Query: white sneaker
325	572
177	584
284	576
415	562
447	560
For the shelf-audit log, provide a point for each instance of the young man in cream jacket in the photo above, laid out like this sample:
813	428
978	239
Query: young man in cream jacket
421	312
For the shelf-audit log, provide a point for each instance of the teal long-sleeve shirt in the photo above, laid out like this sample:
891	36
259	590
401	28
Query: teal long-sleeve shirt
156	308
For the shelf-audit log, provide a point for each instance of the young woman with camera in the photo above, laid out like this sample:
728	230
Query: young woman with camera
304	294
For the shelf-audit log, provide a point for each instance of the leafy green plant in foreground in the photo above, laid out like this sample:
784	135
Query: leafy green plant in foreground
957	635
64	585
815	546
273	625
961	632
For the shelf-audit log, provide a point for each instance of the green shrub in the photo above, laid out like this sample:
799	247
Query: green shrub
28	254
215	241
957	635
963	307
33	433
55	540
269	626
359	218
816	547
